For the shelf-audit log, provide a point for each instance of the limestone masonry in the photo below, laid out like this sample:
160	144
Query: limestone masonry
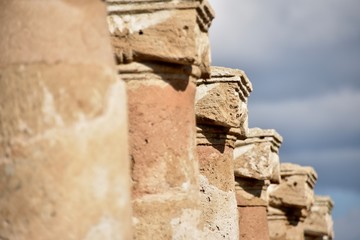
114	125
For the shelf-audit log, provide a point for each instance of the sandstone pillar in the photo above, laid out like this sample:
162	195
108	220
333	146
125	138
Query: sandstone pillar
221	114
319	224
256	164
162	47
290	202
63	128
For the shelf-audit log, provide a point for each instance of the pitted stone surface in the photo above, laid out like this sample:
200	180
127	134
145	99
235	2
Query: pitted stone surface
63	124
257	156
296	189
290	201
222	99
319	223
151	31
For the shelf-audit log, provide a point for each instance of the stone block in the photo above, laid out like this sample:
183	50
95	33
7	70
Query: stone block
165	31
319	224
251	192
217	195
222	99
296	189
257	156
286	224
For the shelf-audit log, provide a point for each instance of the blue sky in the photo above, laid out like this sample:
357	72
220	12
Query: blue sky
303	59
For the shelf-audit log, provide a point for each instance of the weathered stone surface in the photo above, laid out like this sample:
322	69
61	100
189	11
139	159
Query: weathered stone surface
251	200
63	124
29	35
219	213
222	99
290	201
161	48
251	192
252	223
285	225
257	156
319	224
256	163
164	167
167	31
221	116
296	189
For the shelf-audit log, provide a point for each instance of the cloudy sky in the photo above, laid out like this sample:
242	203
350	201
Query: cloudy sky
303	58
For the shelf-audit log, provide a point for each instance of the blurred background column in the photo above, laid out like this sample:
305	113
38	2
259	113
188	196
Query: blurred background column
290	201
319	223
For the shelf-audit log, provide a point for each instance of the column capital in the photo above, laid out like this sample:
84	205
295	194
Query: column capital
257	156
251	192
163	31
221	100
296	189
319	222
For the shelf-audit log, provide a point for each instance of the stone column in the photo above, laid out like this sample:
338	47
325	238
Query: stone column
290	202
63	124
319	224
221	114
256	164
162	47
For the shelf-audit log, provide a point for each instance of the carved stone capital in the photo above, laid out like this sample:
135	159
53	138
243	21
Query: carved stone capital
251	192
165	31
319	222
221	100
257	156
296	189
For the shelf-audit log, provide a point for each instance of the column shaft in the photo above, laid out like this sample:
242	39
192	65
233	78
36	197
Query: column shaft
63	124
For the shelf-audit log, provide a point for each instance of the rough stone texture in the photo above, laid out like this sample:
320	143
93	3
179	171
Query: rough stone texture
63	124
221	116
296	188
251	192
167	31
286	224
256	163
251	223
319	224
161	48
290	201
222	99
257	156
164	167
252	204
217	187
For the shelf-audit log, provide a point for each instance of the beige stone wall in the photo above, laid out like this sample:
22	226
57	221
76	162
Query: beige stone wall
63	124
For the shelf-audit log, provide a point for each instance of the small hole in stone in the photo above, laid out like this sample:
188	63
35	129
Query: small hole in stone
141	32
146	141
186	27
295	184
